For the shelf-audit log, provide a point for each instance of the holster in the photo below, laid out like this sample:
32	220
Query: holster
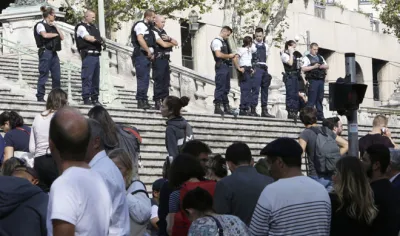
83	54
41	51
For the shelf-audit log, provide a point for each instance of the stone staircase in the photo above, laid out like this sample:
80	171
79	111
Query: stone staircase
218	132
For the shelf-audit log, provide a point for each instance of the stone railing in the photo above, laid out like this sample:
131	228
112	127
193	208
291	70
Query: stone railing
184	82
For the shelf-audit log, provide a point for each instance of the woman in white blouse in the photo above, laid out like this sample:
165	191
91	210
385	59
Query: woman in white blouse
39	140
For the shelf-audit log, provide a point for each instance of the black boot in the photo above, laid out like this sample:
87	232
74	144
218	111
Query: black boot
140	104
86	102
96	103
243	112
253	112
218	109
146	105
290	115
157	105
264	113
227	109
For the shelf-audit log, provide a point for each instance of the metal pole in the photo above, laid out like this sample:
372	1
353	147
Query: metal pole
350	59
308	39
69	67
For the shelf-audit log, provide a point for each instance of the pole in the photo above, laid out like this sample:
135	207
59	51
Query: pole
102	23
308	39
350	59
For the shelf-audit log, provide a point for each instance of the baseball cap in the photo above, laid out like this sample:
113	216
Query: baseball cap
283	147
158	184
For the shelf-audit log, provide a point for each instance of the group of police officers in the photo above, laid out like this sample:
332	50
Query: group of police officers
152	49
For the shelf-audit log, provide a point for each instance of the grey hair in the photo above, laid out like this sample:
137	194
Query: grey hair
395	158
96	131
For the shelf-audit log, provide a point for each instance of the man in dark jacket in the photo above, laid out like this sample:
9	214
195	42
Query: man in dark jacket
23	207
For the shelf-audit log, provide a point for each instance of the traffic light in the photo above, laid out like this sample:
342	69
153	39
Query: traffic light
345	96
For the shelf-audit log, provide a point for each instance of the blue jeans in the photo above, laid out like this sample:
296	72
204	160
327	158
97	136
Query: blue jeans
316	96
142	66
90	78
161	77
222	83
48	61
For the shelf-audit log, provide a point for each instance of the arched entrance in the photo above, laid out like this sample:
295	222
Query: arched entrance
359	74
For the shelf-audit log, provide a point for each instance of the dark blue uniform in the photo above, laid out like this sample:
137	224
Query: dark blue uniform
316	79
90	54
48	59
246	84
291	79
223	73
161	71
261	79
142	65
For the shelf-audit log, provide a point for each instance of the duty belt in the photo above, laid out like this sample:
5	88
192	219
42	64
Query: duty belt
292	72
262	66
163	55
93	53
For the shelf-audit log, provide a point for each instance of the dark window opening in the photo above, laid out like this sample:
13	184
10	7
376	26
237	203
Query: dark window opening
377	66
4	4
187	52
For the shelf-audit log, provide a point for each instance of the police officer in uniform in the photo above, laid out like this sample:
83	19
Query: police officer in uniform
143	41
222	54
315	66
48	39
89	43
291	77
161	70
261	77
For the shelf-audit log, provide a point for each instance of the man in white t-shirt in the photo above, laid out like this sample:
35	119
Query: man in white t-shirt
315	66
294	204
143	41
222	54
79	202
98	160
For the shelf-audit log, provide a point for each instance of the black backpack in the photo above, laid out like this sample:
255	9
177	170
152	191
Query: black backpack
326	152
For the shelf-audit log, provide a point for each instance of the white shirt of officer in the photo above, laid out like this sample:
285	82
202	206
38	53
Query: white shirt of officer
216	44
255	49
245	55
306	61
40	27
142	29
82	31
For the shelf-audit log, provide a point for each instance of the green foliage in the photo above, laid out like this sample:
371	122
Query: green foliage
390	15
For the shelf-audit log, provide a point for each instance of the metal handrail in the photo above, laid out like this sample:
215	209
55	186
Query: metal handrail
25	51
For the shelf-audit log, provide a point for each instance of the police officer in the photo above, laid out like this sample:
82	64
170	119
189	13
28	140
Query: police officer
48	39
315	66
291	64
222	54
243	64
143	41
261	77
161	70
89	42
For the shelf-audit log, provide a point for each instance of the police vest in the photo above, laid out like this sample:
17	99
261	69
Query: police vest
53	44
82	44
290	68
261	54
149	38
225	49
160	48
315	73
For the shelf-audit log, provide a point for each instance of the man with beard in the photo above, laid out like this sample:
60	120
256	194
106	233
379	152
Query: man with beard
334	124
376	160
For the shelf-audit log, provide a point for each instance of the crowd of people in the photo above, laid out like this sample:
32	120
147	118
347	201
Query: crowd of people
69	174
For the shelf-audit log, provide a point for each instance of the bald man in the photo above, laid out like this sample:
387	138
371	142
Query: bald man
161	73
89	42
76	195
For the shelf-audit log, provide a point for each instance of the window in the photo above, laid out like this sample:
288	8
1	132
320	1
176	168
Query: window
186	39
319	11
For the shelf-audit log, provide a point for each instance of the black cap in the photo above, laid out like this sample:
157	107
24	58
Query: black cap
158	184
283	147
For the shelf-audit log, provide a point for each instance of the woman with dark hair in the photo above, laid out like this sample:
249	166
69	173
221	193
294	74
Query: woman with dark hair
185	174
291	64
198	205
178	130
243	64
352	201
17	135
216	168
48	40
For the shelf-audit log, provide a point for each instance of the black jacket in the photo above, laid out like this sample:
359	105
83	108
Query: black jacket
175	135
23	207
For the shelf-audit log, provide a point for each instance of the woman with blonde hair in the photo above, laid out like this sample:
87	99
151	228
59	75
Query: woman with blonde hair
137	198
352	201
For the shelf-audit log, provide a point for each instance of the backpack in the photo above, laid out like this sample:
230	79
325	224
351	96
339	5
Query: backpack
181	222
129	139
326	152
143	211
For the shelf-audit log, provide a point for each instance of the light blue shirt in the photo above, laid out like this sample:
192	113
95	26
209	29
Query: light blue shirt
114	181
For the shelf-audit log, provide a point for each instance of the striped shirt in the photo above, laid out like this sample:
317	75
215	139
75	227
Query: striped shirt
292	206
